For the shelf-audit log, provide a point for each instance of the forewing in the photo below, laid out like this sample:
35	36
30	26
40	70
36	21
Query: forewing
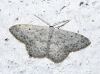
63	42
35	38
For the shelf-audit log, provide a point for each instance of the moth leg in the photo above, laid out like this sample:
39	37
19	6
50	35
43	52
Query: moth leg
66	21
60	22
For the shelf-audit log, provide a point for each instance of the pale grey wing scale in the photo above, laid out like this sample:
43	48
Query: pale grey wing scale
63	42
35	38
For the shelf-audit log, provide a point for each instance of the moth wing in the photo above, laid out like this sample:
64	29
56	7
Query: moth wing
35	38
63	42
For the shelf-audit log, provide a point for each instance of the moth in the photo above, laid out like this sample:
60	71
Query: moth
50	42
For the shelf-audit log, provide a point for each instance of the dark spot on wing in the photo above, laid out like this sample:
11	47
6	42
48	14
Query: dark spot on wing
82	41
29	29
71	36
30	55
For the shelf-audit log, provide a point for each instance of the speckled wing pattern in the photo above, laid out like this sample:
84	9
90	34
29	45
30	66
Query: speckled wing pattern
55	45
35	38
63	42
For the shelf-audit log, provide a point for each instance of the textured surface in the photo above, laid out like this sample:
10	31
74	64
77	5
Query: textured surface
41	41
84	16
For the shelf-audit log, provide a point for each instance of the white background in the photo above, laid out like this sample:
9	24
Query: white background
84	19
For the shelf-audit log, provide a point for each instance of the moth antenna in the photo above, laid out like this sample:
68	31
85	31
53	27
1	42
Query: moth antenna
42	20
